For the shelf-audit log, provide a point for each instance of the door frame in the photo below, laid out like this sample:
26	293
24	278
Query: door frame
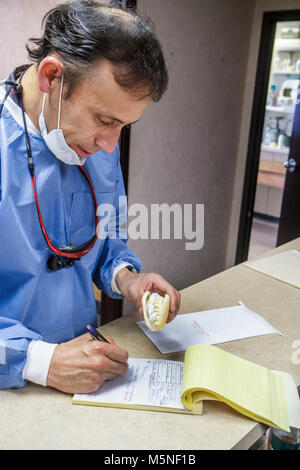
256	127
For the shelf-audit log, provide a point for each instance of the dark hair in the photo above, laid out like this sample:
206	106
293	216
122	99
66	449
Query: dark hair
83	32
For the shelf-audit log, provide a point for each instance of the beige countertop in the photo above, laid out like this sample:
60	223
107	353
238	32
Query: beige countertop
42	418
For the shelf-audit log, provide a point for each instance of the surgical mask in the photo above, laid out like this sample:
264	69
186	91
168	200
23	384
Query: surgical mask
55	139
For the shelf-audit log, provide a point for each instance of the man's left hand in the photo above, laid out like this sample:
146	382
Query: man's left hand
133	286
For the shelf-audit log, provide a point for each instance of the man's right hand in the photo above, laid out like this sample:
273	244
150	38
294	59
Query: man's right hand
82	365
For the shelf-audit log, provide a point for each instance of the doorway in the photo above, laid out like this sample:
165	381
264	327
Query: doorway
271	134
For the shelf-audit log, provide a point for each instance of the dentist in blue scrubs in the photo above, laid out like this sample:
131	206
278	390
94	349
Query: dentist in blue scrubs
94	70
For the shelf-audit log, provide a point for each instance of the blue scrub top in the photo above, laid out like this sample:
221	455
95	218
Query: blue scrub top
36	303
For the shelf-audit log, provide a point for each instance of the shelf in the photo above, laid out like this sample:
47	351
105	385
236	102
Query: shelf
287	45
280	110
281	72
267	148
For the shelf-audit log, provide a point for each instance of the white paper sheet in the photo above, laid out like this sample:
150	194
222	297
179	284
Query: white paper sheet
208	327
148	382
284	266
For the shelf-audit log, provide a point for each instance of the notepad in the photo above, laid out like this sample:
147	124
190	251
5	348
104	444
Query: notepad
284	267
208	373
208	327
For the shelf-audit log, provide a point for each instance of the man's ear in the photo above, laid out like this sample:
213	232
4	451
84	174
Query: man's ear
49	69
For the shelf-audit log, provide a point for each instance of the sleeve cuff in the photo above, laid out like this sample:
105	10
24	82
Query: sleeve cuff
114	286
37	365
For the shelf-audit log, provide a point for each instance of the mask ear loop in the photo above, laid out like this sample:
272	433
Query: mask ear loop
60	97
43	105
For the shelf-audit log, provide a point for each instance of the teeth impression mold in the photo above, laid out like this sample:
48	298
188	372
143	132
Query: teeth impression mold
155	309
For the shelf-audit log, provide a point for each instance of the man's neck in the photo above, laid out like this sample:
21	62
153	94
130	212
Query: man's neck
32	96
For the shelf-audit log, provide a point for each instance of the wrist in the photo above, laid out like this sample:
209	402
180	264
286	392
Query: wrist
123	277
39	356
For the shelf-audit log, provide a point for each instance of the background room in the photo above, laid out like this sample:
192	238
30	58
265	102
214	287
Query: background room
192	146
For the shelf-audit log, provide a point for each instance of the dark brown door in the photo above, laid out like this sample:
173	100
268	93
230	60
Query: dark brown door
289	223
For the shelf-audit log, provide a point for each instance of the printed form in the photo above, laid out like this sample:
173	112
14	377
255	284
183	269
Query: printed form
148	382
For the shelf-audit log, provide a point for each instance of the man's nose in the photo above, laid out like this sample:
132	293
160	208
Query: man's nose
108	140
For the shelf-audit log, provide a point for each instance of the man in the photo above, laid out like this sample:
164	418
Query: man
94	70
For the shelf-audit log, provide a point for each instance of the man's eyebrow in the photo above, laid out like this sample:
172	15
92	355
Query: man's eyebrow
112	118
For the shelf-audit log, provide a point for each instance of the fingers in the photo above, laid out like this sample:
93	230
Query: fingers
164	287
154	282
171	317
82	365
109	368
109	338
141	313
107	360
175	298
110	350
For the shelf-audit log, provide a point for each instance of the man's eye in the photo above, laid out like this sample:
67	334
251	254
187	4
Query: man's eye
105	123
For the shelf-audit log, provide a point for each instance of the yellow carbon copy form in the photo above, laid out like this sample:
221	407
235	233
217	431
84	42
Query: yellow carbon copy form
208	373
253	390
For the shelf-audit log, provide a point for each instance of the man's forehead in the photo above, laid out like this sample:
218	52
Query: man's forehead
108	98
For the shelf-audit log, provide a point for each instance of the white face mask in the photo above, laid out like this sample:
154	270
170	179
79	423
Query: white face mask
55	140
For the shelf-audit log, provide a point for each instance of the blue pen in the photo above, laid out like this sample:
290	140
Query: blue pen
95	334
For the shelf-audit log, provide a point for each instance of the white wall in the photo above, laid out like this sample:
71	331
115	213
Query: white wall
19	20
190	147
